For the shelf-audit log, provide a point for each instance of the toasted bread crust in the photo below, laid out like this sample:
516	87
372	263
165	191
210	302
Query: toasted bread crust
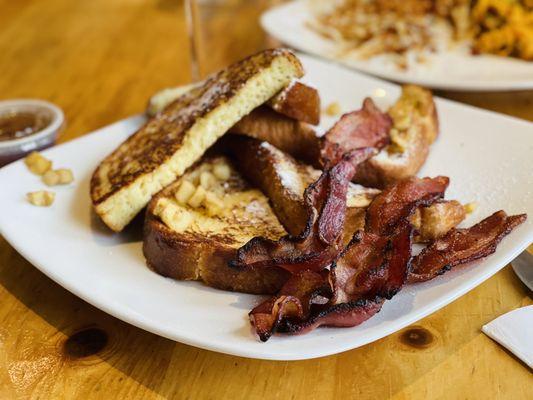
177	257
170	142
437	220
280	177
298	101
383	169
201	251
287	134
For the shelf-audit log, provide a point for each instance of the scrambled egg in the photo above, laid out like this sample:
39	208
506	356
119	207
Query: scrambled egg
504	27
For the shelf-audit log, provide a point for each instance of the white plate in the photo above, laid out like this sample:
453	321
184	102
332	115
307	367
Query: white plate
456	69
487	156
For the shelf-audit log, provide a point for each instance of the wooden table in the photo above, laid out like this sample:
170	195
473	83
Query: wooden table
100	61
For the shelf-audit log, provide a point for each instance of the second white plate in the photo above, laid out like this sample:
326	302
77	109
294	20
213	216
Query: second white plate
456	69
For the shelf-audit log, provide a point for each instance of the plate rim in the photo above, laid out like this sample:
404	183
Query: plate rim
122	313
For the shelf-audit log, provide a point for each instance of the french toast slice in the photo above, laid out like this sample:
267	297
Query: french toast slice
415	128
284	180
196	242
174	139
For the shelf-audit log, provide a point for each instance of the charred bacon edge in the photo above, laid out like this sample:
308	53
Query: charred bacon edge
370	306
507	224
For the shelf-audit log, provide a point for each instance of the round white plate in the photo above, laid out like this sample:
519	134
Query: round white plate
455	69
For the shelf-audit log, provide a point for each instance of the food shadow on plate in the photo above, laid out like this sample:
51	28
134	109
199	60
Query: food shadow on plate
104	236
83	213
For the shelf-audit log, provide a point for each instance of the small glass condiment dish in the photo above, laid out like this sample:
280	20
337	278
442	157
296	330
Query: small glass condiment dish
44	120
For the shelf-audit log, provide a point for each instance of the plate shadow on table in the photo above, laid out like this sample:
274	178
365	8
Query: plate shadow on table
123	346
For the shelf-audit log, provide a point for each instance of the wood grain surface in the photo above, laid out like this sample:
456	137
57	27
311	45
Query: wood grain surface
100	60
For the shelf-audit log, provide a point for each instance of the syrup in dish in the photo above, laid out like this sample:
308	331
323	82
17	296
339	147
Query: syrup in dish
19	124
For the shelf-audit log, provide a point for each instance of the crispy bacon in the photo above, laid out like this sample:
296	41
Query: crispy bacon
370	270
368	127
343	315
460	246
293	301
399	201
320	242
373	265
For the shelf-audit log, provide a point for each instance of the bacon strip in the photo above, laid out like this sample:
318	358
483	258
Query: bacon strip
293	301
320	242
373	265
344	315
400	200
368	127
460	246
370	270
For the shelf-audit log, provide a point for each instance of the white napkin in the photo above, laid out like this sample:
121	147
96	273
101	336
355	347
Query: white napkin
514	331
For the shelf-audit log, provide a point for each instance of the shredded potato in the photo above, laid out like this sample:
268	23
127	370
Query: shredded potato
376	27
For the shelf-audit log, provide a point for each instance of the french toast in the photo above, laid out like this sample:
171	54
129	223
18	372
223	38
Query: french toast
415	128
299	139
178	136
437	220
298	101
195	242
284	180
190	237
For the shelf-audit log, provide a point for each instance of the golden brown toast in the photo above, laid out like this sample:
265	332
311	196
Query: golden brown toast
435	221
174	139
194	242
415	128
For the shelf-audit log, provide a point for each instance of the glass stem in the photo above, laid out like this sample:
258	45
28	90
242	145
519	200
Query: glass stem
190	15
